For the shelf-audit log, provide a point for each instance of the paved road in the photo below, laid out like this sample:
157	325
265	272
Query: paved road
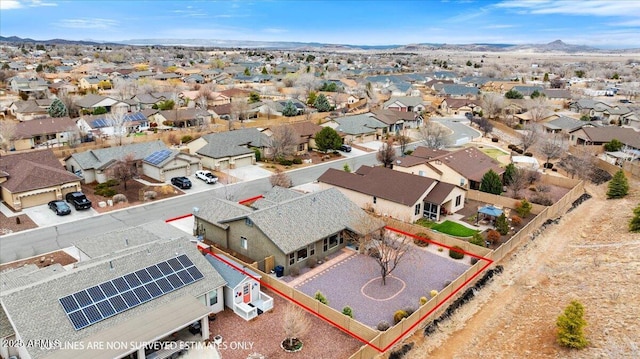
42	240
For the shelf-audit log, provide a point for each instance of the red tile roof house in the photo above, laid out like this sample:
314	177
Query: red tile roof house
396	194
34	178
464	167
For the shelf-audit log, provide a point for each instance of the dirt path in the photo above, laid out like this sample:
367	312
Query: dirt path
588	256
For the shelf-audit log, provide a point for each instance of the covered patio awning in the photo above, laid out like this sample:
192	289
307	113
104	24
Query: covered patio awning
490	210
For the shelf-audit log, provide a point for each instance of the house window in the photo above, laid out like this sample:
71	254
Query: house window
430	211
213	297
248	222
331	242
243	242
301	147
458	200
292	258
462	182
421	173
302	254
312	249
417	209
375	199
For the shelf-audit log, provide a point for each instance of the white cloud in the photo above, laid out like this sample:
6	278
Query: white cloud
20	4
88	23
499	26
585	7
10	4
38	3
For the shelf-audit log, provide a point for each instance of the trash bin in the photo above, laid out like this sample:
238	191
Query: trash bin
279	271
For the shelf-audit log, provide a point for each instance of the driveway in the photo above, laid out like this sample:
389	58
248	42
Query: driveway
462	133
43	216
248	173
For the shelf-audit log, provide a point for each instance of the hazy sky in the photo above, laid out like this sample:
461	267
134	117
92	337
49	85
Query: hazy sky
605	24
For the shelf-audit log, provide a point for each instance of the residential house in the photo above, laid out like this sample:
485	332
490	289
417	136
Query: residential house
564	125
94	82
33	87
48	131
340	100
232	149
275	108
396	194
166	76
109	125
291	227
398	120
242	292
304	133
234	93
358	128
34	178
405	104
93	165
148	100
30	109
591	108
459	106
145	293
91	102
597	136
456	90
527	91
162	165
184	117
464	167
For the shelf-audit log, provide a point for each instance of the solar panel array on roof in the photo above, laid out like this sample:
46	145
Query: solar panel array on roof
157	157
107	299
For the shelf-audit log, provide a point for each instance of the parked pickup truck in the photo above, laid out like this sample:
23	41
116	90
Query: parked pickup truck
78	200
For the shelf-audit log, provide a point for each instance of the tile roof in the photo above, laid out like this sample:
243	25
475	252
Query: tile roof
34	170
232	143
98	158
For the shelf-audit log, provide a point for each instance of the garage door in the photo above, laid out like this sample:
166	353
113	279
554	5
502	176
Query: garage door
38	199
244	161
68	190
175	172
223	165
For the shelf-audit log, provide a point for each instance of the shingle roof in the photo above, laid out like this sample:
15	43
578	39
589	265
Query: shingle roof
625	135
392	116
43	126
36	314
470	162
232	143
412	101
93	159
564	123
359	124
90	100
216	210
232	276
275	196
34	170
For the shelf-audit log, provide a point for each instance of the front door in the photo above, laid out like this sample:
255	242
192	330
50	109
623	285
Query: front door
246	293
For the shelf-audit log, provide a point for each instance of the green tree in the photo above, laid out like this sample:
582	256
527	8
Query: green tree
491	183
328	139
536	94
57	109
321	298
502	224
477	240
264	70
546	77
580	73
39	68
346	168
329	87
613	145
311	98
524	208
254	97
322	104
289	109
310	58
585	117
615	76
618	186
469	63
347	311
570	326
164	105
99	111
634	224
509	174
513	94
247	72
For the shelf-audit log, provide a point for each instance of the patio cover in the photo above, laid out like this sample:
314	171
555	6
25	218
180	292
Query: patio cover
490	210
146	327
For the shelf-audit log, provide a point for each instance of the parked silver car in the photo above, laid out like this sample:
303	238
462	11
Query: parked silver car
207	176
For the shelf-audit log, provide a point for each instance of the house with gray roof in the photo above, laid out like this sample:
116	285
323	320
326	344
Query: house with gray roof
405	196
30	109
231	149
143	292
563	124
90	102
294	230
455	90
162	165
93	165
405	104
358	128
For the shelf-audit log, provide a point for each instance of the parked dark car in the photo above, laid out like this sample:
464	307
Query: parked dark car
345	148
181	182
78	200
60	208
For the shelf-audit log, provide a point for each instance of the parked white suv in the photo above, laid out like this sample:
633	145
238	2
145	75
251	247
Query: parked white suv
207	176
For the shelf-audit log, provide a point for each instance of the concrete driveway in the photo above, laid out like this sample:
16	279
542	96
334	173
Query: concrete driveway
43	216
248	173
462	133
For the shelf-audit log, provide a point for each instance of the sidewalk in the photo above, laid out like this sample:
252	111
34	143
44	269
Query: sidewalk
313	272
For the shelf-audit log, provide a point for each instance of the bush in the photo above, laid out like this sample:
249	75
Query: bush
399	315
516	220
409	310
321	298
423	300
477	240
312	262
347	311
519	151
186	139
105	192
493	236
294	271
502	225
523	208
258	154
548	165
433	292
618	186
149	195
570	326
297	161
119	198
474	260
383	326
528	154
455	252
495	139
542	199
285	162
511	146
421	242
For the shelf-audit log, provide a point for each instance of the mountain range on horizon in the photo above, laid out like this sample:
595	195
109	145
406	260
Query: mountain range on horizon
555	46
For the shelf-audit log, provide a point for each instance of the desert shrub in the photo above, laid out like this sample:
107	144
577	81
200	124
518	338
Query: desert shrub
543	188
541	199
119	198
519	151
440	249
455	252
516	220
434	292
409	310
423	300
149	195
294	271
570	326
186	139
474	260
528	154
399	315
532	176
523	208
548	165
321	298
347	311
493	236
511	146
477	240
494	139
408	152
312	262
105	192
285	162
297	161
383	325
421	242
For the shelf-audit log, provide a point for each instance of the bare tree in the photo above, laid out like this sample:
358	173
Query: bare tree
403	141
74	136
295	323
518	182
433	135
117	120
386	154
552	147
529	136
492	104
388	251
7	133
124	169
538	108
72	108
280	179
282	142
307	82
485	126
239	111
580	163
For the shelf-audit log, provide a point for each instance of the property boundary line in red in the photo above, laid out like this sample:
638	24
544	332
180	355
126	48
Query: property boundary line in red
179	217
251	199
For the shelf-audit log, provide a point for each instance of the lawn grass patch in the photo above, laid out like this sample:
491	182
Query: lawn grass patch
493	152
425	223
454	229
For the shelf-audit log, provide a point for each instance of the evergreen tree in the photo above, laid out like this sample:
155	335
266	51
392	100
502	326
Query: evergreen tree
39	68
311	99
247	72
491	183
570	326
509	174
477	240
264	70
618	186
57	109
328	139
254	97
322	104
502	225
513	94
289	109
546	77
634	224
613	145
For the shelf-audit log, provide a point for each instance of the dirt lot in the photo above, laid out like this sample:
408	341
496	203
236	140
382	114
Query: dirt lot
588	256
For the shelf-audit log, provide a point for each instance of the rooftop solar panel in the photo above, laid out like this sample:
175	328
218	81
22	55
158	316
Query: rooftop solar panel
157	157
